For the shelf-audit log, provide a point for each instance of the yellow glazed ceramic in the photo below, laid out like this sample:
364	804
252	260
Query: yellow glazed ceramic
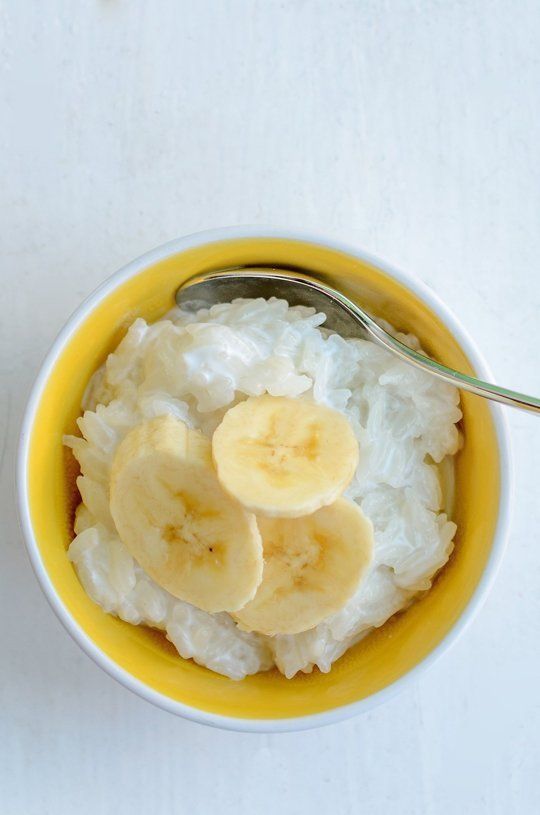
144	660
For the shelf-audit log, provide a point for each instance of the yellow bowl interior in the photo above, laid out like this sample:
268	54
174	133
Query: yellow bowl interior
378	660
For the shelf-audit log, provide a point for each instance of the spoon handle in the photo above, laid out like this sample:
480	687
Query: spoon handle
468	383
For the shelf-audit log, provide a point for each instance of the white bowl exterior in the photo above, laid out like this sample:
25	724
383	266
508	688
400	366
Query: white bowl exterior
101	659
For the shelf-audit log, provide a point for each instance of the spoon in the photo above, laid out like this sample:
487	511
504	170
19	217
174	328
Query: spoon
342	316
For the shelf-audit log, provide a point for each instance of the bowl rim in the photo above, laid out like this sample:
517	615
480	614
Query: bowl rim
122	676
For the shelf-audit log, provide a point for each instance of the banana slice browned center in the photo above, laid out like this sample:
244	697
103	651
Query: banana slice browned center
312	566
180	525
284	458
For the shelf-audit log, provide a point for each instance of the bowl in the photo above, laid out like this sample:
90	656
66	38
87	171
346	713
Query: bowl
143	660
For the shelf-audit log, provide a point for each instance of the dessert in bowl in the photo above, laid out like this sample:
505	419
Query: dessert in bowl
421	494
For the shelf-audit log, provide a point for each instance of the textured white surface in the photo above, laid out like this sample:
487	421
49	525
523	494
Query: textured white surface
411	128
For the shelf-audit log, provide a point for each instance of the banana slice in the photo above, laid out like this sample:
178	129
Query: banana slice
176	520
312	566
284	458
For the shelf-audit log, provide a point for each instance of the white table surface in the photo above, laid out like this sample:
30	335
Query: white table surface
410	128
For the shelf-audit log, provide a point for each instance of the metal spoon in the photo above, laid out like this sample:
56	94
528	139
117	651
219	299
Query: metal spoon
342	316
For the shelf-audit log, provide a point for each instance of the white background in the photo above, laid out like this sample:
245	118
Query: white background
409	127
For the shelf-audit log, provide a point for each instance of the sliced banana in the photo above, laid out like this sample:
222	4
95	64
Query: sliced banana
172	514
312	566
284	458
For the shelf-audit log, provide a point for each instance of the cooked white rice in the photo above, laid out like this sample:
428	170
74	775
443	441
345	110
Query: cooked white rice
195	367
